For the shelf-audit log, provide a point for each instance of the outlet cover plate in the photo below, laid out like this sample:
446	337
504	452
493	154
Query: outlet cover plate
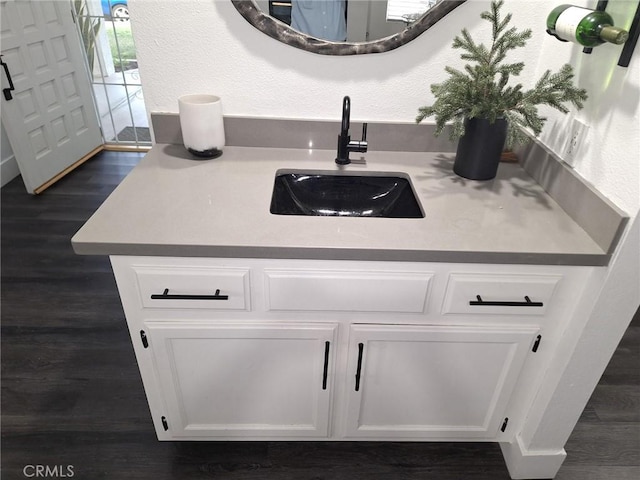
577	134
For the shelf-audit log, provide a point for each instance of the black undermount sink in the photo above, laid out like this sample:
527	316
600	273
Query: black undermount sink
299	192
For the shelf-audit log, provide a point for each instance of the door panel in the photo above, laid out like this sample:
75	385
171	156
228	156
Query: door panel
432	382
51	120
227	380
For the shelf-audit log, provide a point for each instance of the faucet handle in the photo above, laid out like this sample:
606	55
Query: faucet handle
360	146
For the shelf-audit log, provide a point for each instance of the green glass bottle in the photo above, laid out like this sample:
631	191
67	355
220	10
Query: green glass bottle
586	27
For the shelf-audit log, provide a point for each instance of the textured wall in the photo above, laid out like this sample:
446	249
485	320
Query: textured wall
610	155
8	166
5	145
205	46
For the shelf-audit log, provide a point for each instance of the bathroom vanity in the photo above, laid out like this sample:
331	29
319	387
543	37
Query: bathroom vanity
252	326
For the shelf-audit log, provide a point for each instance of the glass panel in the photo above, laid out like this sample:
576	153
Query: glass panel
408	10
111	58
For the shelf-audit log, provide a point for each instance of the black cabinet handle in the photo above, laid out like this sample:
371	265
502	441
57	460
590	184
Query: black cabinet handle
166	296
7	91
527	303
359	368
630	44
143	337
326	365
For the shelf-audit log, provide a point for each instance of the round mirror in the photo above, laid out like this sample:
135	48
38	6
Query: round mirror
358	22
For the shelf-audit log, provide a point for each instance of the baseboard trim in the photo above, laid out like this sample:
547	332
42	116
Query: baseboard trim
126	148
8	170
529	464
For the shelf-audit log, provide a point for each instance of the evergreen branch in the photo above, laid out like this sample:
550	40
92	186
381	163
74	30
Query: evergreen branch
466	42
482	90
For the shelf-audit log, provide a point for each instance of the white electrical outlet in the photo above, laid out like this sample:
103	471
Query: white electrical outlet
577	134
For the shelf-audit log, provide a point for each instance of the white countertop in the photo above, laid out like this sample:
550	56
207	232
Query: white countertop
172	205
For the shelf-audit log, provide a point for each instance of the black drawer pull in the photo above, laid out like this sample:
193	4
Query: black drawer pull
359	369
527	303
166	296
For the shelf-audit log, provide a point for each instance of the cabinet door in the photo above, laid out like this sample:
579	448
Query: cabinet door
430	381
250	380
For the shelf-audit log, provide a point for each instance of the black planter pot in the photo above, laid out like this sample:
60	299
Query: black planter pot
480	148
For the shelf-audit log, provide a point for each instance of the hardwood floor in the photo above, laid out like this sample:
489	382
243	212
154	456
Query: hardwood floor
72	394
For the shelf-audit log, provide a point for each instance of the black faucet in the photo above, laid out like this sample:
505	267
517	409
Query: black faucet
345	145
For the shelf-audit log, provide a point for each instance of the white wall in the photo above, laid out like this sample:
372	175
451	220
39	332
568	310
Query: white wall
8	166
206	46
610	156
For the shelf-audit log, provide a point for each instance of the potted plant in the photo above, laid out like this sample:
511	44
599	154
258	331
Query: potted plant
486	112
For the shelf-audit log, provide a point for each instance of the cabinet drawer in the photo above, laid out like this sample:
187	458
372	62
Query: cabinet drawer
491	294
193	287
355	291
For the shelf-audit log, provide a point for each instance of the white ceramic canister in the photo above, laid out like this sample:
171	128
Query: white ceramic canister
202	124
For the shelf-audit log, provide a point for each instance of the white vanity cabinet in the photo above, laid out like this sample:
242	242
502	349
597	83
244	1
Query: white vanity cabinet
257	349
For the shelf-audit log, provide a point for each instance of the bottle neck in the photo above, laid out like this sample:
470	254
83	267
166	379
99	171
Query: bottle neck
613	34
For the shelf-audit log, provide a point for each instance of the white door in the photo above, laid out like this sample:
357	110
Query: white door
431	381
251	380
50	117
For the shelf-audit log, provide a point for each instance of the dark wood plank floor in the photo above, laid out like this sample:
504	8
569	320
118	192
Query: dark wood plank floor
72	394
